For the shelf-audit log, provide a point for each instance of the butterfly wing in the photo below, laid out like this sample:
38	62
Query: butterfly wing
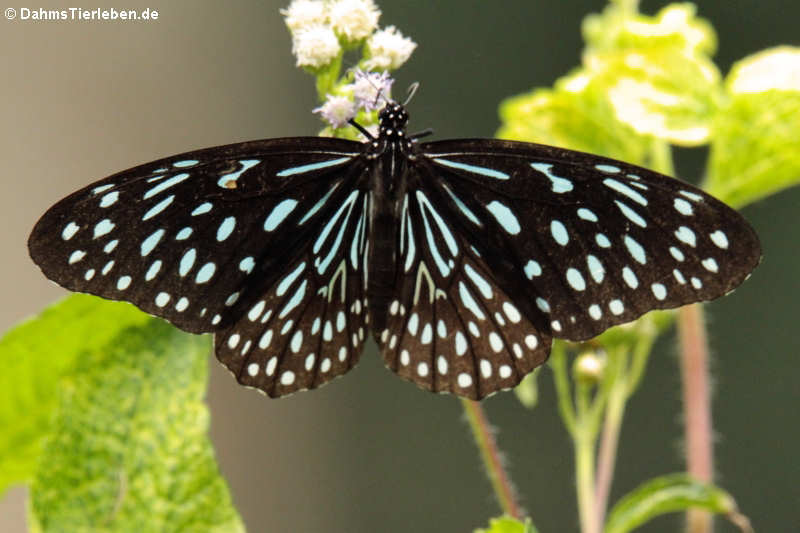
246	240
599	241
573	243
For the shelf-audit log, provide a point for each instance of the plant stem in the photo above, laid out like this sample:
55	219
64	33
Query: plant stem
492	458
584	466
696	406
607	453
585	437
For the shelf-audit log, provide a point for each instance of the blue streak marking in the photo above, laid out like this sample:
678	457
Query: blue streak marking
233	176
463	208
560	185
488	172
318	205
631	215
174	180
312	166
159	207
323	236
284	285
505	217
294	301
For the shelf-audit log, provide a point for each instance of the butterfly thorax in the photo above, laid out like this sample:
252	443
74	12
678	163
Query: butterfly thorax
388	183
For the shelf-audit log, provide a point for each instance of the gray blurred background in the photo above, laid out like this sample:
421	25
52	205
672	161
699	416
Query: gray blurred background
371	452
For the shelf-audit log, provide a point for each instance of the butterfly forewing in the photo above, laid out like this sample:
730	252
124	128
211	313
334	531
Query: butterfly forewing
589	241
204	238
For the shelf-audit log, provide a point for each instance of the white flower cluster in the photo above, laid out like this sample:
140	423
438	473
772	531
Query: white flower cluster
388	49
321	27
368	91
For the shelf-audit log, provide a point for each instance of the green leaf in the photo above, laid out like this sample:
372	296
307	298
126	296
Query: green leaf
506	524
656	70
754	149
129	450
574	114
667	494
33	357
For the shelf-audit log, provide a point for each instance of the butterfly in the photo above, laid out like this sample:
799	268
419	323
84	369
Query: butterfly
463	259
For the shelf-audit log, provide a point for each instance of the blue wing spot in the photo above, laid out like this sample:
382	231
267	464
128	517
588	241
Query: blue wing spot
205	273
152	241
635	249
202	209
533	269
187	262
559	232
279	214
226	228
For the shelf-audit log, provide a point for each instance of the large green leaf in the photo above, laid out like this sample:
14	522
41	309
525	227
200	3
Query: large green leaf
754	152
657	70
129	449
33	357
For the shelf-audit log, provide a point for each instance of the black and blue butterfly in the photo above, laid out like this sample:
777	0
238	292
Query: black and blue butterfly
462	258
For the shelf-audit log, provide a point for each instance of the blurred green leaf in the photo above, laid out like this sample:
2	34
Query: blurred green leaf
575	114
33	357
754	151
506	524
667	494
657	70
129	450
528	390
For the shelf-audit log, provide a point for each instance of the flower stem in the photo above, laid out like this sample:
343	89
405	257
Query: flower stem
585	439
607	453
696	406
492	458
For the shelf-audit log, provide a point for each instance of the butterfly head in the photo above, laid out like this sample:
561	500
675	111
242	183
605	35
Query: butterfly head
393	119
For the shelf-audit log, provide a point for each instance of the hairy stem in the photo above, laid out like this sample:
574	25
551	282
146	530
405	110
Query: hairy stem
607	453
696	406
492	458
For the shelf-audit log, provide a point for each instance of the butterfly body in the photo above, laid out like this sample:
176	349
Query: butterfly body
462	258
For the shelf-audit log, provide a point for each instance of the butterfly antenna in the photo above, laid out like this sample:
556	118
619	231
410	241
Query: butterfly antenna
412	90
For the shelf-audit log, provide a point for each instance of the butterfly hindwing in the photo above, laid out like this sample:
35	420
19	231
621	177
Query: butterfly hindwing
308	325
590	241
451	327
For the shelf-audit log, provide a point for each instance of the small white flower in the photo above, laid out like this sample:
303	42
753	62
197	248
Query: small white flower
388	49
303	14
315	46
354	19
337	110
368	88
